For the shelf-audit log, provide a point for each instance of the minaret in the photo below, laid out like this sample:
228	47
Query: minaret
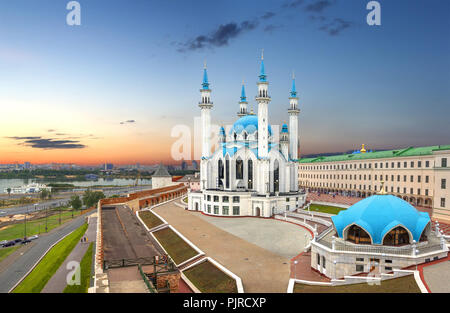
243	103
263	100
293	112
284	141
205	107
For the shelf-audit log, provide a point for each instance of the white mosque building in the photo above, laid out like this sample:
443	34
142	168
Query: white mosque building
250	174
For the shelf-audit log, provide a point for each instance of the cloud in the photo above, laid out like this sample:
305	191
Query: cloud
336	26
293	4
271	27
319	6
219	37
128	122
268	15
48	143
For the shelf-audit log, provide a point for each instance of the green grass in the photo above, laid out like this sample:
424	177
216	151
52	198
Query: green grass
208	278
35	227
4	252
406	284
176	247
41	274
325	208
185	200
85	274
150	219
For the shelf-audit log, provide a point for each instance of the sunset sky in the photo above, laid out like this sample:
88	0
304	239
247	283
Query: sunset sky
112	89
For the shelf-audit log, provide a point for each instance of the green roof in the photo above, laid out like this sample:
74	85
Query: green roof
411	151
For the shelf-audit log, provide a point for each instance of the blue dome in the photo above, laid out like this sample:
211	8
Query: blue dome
379	214
249	123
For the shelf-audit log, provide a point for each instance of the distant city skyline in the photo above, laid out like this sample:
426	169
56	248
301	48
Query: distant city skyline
112	89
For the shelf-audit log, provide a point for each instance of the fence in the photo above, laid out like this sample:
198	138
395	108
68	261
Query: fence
127	262
149	285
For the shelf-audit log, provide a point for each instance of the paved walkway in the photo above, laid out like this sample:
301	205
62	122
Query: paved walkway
437	275
126	280
58	282
260	269
302	270
11	275
284	239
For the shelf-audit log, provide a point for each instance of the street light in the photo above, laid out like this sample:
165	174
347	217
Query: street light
295	269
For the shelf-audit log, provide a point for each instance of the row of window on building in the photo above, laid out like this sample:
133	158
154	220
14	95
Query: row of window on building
369	177
225	209
369	165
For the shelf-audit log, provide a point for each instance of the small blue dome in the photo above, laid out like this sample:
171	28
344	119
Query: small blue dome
379	214
249	123
284	129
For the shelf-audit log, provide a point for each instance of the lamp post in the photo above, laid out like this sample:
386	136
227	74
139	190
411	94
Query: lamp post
46	218
295	269
25	235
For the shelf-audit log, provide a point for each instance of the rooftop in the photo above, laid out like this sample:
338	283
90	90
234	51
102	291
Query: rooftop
161	171
406	152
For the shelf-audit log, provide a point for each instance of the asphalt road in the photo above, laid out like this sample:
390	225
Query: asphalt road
11	275
64	201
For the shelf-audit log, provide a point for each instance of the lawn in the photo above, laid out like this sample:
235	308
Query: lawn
325	208
176	247
41	274
406	284
85	274
150	219
35	227
208	278
4	252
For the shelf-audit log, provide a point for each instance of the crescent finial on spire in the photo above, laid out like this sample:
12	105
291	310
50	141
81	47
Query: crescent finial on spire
262	54
204	64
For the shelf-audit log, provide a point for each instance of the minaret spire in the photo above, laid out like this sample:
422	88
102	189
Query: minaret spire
243	103
205	110
263	100
293	112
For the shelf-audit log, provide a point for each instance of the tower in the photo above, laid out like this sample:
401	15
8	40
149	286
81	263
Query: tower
263	99
293	112
243	103
205	107
284	141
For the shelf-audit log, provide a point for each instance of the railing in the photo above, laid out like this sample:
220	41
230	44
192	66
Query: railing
405	250
149	285
127	262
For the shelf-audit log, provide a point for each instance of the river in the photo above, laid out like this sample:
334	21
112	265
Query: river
5	183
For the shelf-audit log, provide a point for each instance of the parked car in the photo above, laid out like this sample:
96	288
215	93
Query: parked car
9	244
3	242
33	237
18	240
24	242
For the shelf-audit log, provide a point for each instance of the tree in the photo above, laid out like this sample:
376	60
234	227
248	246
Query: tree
9	191
75	202
91	198
43	194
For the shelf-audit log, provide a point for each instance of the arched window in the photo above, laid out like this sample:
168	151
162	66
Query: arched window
220	172
276	176
239	169
396	237
250	174
358	235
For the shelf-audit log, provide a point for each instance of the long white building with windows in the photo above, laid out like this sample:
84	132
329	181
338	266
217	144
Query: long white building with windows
249	174
418	175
